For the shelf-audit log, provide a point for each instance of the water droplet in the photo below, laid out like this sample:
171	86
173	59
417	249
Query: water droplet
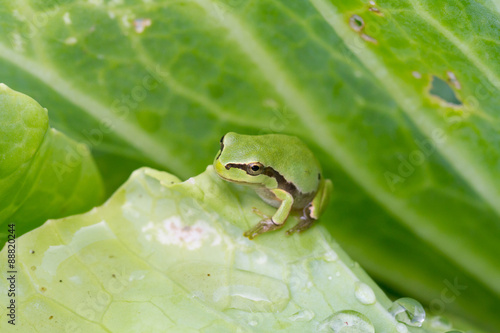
356	23
401	328
364	293
137	275
409	311
440	322
305	315
330	256
347	321
231	288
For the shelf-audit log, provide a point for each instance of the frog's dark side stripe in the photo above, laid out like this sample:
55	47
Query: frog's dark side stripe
270	172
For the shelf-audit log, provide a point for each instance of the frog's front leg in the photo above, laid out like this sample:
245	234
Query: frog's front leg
314	210
277	220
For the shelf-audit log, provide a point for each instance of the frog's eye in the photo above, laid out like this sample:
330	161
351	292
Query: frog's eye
255	169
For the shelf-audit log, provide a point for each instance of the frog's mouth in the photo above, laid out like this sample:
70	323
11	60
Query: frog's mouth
220	165
237	181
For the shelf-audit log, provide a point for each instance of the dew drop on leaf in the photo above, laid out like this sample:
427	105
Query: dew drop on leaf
409	311
253	323
330	256
347	321
364	293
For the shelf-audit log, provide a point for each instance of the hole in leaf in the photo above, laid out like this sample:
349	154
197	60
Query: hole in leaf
356	22
442	90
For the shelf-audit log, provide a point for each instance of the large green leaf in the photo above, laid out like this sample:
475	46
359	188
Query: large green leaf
43	173
166	256
417	191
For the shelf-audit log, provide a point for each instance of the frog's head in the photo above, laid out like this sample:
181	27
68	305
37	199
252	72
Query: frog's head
240	160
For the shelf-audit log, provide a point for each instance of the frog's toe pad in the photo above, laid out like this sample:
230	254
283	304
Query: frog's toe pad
261	227
302	226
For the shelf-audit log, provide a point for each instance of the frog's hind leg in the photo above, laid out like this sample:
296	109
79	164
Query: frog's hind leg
313	211
306	221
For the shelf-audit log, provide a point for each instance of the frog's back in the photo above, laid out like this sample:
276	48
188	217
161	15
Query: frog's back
287	155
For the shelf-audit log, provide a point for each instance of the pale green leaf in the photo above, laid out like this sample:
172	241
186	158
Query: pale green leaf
167	256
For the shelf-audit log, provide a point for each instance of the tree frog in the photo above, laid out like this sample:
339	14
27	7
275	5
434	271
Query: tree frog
283	172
